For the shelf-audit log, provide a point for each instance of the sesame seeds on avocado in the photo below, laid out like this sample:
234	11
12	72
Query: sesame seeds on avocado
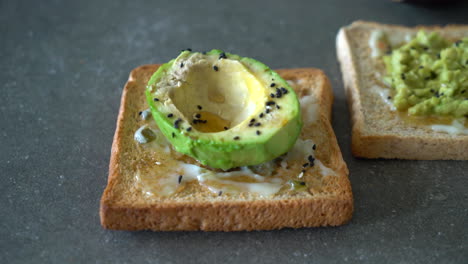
217	109
430	76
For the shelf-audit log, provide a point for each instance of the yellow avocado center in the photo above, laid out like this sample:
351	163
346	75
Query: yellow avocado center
216	97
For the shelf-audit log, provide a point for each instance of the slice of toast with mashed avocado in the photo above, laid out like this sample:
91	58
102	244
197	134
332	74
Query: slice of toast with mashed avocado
407	90
154	186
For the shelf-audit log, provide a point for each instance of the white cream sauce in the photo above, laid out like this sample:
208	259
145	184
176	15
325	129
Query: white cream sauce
456	128
244	180
374	39
384	94
309	109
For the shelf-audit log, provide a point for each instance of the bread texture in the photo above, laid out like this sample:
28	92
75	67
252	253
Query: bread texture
327	202
377	131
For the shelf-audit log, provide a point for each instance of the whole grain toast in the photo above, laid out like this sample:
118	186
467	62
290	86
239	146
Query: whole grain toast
327	201
377	131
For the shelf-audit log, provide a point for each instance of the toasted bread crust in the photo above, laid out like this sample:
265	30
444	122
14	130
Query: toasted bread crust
372	140
122	213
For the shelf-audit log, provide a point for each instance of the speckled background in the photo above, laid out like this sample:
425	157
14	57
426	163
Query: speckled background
62	68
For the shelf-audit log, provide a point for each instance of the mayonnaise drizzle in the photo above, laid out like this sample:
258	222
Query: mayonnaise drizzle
374	39
457	127
384	93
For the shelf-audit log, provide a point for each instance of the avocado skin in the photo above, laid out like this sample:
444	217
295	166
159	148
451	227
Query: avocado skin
229	154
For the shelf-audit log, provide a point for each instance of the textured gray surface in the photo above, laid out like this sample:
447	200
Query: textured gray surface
62	68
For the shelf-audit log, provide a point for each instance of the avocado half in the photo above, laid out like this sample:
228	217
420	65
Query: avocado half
224	110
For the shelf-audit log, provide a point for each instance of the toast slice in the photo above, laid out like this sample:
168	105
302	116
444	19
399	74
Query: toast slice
127	205
377	130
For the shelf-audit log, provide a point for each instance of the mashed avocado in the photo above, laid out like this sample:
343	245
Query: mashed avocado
430	76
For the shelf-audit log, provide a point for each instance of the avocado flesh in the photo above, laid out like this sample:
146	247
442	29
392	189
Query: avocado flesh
205	103
429	76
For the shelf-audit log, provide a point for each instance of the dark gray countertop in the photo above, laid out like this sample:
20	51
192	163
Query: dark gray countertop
63	67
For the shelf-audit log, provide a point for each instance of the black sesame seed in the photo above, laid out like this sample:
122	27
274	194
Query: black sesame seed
311	159
314	147
258	132
305	164
173	134
267	111
389	97
251	124
222	56
236	138
272	85
270	103
420	67
258	124
196	121
199	107
189	129
156	99
197	115
139	113
433	75
177	122
252	120
180	178
302	183
170	115
226	128
278	107
220	192
272	95
188	49
284	90
261	115
437	94
181	64
215	68
278	93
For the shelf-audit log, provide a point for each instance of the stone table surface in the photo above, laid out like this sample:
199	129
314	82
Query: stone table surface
62	68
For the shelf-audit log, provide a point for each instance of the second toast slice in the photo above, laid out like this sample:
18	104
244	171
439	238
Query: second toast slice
378	131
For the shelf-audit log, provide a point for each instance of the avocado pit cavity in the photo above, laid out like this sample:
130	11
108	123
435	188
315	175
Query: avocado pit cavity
227	96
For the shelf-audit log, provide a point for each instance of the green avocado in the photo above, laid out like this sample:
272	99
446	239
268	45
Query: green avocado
224	110
430	76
